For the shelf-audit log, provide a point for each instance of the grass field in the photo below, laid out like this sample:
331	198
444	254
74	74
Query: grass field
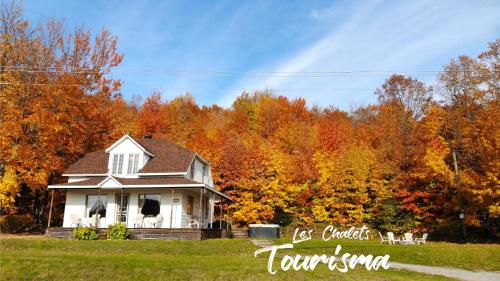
465	256
223	259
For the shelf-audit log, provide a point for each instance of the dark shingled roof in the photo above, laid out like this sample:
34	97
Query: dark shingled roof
92	163
155	181
89	182
169	158
132	181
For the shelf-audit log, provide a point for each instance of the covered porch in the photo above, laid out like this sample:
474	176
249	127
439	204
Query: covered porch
167	211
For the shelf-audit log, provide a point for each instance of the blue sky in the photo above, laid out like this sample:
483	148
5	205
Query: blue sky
217	49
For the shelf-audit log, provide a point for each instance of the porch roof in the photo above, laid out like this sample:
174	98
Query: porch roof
126	183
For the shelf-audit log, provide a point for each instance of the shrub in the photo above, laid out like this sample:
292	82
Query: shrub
16	223
117	231
85	233
390	217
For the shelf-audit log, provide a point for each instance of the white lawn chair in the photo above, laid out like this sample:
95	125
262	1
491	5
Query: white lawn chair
158	220
422	240
392	239
193	222
75	220
139	220
87	222
382	238
408	238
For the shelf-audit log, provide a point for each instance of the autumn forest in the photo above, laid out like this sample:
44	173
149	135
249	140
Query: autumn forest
413	161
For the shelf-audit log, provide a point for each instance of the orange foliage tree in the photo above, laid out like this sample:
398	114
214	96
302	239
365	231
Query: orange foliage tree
408	162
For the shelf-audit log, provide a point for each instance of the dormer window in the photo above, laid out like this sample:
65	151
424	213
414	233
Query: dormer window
117	164
125	164
133	163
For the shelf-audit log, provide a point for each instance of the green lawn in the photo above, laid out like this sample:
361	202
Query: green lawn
223	259
464	256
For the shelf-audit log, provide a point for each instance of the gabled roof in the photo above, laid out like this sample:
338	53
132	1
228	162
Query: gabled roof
127	137
168	158
110	181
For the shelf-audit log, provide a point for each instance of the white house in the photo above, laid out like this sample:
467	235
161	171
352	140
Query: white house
143	183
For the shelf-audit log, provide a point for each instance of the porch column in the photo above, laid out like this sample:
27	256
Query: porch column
227	224
172	208
97	219
220	205
120	211
50	209
201	207
212	209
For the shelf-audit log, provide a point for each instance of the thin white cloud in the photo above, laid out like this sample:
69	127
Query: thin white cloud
401	36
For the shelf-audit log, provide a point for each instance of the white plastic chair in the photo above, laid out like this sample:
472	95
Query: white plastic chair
407	239
193	222
88	222
382	238
158	220
408	236
75	220
139	220
392	239
423	239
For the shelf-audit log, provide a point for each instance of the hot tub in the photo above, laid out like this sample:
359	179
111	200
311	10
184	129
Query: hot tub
264	231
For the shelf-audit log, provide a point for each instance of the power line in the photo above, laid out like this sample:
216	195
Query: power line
187	89
221	71
42	84
284	74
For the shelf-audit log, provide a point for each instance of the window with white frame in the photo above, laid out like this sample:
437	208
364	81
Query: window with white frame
125	164
149	204
117	164
133	163
96	204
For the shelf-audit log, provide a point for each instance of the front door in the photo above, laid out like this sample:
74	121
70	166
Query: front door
122	208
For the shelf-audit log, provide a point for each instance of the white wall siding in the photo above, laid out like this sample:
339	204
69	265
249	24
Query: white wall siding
210	181
198	171
166	208
111	209
133	209
76	204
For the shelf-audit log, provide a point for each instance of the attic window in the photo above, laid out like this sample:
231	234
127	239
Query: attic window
133	163
117	164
